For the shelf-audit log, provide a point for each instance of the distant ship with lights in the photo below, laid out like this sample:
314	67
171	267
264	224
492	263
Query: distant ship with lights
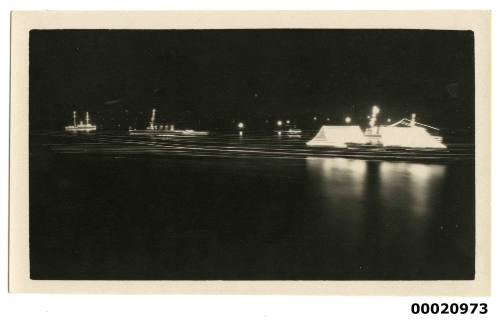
405	133
287	129
291	132
81	127
165	130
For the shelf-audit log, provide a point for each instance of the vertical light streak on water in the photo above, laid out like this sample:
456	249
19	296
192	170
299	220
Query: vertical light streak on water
337	189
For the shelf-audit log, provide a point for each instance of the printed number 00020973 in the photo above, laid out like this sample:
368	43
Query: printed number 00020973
445	308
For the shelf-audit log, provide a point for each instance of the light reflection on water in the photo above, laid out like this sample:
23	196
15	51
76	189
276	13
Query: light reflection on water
245	216
337	190
385	203
410	186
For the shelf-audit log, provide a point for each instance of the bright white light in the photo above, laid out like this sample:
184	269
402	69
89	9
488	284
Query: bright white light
375	110
241	133
389	120
327	119
241	125
315	118
347	119
288	122
279	123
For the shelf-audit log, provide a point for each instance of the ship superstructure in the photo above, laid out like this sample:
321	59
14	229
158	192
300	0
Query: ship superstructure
166	130
81	126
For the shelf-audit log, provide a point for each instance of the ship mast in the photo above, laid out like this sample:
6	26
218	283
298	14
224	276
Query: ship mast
87	118
74	118
413	120
373	118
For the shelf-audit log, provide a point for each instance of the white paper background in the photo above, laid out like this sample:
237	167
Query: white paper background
41	306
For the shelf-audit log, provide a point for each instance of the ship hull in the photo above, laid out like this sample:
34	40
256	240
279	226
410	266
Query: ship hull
81	129
168	133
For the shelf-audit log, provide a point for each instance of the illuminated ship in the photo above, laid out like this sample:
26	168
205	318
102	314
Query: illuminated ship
288	129
81	127
165	130
402	134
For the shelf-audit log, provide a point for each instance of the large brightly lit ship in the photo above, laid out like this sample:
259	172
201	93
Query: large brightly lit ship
405	133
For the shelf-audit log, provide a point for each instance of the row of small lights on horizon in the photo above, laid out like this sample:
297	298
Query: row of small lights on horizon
279	123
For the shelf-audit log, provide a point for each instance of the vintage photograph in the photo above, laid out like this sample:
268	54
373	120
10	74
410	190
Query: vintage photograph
252	154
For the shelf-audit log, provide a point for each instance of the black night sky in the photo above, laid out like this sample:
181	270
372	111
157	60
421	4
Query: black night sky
209	78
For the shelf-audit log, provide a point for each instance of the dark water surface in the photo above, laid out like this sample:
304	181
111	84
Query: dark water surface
110	206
